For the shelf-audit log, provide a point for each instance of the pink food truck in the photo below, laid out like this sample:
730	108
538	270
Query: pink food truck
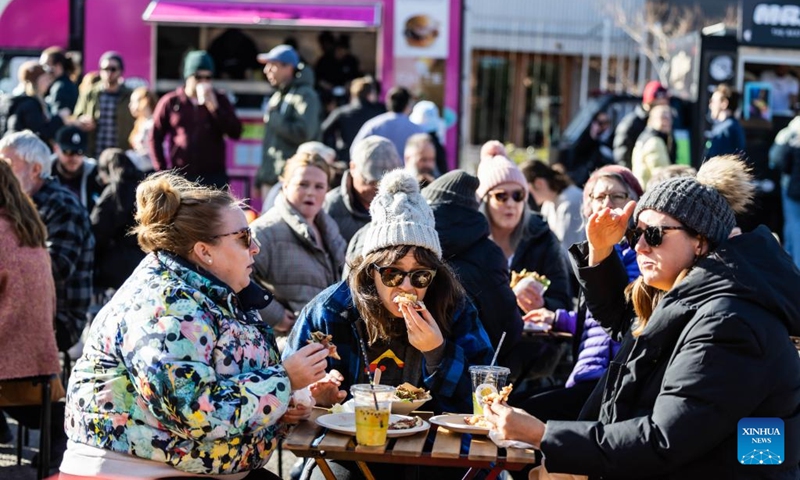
413	43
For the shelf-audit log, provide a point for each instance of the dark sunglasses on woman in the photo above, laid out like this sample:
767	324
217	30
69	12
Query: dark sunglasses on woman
393	276
245	235
502	196
653	234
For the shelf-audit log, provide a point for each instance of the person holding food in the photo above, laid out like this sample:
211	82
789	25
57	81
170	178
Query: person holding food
706	341
401	311
526	240
180	377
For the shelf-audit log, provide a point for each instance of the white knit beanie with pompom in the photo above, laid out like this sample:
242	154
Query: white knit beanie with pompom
401	216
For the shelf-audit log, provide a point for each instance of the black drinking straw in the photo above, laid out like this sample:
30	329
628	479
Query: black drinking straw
369	374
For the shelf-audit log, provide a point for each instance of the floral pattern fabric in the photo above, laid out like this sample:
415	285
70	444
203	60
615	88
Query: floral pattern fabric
178	370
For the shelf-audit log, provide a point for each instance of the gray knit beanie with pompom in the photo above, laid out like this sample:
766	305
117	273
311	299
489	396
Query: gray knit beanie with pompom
401	216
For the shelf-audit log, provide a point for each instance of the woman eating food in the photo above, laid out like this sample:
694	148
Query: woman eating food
401	310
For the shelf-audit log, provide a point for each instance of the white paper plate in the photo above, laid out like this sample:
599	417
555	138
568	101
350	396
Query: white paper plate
456	423
346	423
404	407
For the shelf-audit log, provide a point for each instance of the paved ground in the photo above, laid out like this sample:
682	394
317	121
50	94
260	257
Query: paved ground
10	471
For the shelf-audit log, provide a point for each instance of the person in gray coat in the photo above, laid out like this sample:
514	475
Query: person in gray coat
302	251
349	203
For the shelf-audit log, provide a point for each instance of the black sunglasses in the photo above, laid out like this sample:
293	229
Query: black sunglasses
245	235
201	78
653	234
393	276
110	69
503	196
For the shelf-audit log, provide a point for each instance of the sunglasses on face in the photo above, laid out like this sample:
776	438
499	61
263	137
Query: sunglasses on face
245	235
613	197
72	153
110	69
503	196
653	235
393	276
202	78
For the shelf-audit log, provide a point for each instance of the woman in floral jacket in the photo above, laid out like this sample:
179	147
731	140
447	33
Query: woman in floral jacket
180	375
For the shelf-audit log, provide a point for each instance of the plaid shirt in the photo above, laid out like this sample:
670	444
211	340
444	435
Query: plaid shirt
71	246
333	312
107	122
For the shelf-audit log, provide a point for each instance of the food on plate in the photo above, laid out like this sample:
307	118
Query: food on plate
409	298
501	396
478	421
326	341
421	31
406	423
409	393
516	277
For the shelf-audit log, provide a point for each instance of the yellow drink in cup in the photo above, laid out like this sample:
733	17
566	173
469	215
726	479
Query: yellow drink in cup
486	379
371	426
372	406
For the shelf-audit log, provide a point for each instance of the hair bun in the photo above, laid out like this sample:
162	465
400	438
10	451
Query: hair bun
157	201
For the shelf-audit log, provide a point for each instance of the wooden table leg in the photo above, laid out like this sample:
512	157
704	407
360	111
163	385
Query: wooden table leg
365	470
325	468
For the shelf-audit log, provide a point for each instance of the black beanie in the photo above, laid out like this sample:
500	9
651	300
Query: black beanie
699	207
456	187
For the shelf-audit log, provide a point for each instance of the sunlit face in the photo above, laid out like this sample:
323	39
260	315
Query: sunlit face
421	160
386	294
608	192
69	161
26	173
505	205
278	74
231	260
305	191
43	83
717	104
661	265
661	119
110	72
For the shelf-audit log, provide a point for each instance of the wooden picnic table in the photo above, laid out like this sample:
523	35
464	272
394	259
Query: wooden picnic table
308	439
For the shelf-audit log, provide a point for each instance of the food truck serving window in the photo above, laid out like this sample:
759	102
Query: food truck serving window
247	13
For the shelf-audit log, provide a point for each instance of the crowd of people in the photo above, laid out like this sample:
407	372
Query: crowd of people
190	325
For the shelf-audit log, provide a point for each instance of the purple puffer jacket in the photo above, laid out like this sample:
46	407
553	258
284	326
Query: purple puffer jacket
597	348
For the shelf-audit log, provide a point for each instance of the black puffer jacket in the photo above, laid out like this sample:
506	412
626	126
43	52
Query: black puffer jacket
540	251
481	268
715	350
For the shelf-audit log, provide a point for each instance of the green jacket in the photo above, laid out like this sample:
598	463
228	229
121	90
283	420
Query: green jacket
292	118
89	104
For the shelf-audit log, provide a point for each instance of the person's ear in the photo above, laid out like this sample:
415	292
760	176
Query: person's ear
202	253
36	170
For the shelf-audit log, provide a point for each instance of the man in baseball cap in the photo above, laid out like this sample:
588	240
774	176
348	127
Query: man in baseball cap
73	169
293	112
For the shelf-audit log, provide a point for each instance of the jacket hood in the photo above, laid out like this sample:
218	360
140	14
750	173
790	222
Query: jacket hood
303	77
753	267
459	227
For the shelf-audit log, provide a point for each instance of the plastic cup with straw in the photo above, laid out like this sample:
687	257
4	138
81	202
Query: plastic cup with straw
486	378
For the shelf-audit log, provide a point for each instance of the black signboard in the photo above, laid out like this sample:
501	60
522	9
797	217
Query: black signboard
770	23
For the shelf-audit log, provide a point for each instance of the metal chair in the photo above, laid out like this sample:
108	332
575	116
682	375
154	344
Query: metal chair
44	427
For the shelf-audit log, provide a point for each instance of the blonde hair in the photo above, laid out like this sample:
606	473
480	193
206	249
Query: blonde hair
305	159
173	214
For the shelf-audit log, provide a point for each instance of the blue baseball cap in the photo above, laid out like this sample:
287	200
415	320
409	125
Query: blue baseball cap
283	54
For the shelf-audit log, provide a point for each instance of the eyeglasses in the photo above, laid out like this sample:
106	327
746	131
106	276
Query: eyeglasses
393	276
613	197
72	153
502	196
245	235
110	68
653	234
201	78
